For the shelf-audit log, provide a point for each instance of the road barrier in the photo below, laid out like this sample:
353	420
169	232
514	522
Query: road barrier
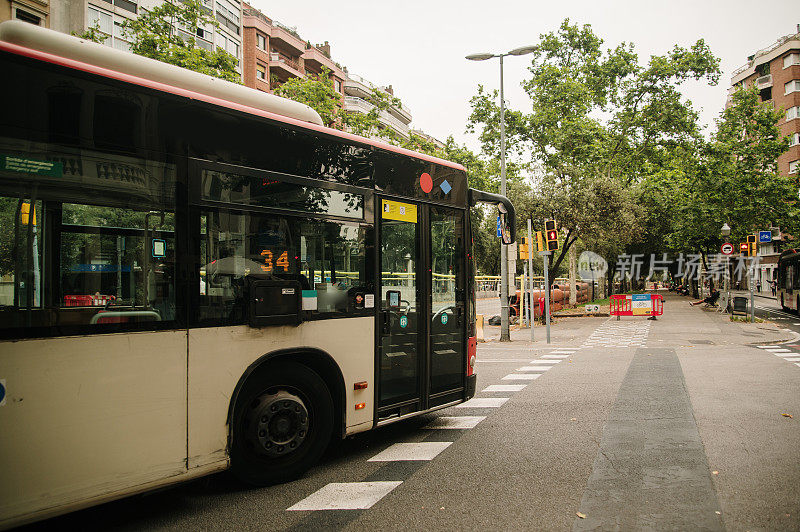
636	305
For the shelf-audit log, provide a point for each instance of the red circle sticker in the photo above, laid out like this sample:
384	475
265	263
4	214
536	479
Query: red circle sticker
426	182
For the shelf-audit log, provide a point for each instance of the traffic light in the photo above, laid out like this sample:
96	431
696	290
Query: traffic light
523	249
539	241
752	247
551	233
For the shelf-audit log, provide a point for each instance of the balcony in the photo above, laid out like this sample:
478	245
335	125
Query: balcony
288	37
355	85
315	60
286	63
359	105
764	82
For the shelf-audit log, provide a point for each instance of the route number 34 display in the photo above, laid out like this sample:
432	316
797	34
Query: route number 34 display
281	262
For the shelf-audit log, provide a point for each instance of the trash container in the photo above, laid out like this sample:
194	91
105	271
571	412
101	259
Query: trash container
739	305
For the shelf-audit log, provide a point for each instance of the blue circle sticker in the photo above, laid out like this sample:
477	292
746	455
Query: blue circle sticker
403	321
444	319
2	391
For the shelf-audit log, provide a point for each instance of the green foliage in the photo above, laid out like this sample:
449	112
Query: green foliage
318	93
600	125
153	34
93	34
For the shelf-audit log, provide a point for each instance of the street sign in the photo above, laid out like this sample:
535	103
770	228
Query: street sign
765	236
744	247
727	248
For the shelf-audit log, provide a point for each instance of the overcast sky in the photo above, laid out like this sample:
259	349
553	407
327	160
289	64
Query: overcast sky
419	46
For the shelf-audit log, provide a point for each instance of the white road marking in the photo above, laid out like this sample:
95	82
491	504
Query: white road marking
401	452
484	402
454	422
797	364
522	377
774	351
504	388
563	352
502	359
548	362
346	496
769	347
534	368
793	359
556	356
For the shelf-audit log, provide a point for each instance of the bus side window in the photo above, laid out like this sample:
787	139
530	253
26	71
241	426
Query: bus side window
326	258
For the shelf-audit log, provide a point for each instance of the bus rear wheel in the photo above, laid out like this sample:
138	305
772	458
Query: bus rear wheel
282	424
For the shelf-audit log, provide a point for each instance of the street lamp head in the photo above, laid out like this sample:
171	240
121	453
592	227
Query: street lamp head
726	229
479	57
523	50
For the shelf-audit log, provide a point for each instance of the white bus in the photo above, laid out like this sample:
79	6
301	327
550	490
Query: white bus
197	276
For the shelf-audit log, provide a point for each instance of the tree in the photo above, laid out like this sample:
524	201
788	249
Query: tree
318	93
154	34
599	124
735	179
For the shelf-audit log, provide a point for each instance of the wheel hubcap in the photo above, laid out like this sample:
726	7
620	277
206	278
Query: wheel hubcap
278	423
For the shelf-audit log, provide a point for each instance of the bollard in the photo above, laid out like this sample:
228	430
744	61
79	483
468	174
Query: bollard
479	327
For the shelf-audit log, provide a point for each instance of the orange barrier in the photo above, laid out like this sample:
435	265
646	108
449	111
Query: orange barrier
636	305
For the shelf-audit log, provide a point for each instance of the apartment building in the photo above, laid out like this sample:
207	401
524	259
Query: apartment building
357	92
775	71
76	16
275	53
33	11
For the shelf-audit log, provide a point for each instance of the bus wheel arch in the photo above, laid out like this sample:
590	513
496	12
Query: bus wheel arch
284	412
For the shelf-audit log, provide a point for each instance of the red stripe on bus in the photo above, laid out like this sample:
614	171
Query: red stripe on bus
163	87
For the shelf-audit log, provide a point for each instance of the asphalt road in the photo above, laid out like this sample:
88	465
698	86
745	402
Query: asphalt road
630	424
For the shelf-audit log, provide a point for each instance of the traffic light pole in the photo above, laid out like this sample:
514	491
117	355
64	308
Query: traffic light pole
546	256
531	312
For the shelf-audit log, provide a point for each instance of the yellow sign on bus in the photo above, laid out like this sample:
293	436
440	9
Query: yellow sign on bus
395	210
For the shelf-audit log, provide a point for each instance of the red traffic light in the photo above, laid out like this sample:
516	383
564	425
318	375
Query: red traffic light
552	235
744	247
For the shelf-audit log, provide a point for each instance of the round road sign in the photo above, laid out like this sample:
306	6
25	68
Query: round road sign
727	248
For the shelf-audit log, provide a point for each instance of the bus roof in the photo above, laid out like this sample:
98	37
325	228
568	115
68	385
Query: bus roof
32	41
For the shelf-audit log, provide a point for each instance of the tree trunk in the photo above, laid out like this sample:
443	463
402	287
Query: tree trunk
573	266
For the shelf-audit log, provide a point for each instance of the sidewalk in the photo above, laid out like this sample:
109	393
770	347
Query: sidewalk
680	326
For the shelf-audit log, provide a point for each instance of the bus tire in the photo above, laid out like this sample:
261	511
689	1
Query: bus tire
282	424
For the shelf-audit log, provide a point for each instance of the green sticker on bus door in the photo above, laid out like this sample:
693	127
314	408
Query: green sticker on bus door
403	322
31	166
444	319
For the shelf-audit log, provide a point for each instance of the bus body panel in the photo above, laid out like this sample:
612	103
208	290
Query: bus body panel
92	415
215	369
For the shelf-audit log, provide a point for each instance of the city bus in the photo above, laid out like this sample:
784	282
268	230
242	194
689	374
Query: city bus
789	280
196	276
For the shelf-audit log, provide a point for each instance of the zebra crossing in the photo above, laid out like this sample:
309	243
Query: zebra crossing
620	334
781	351
363	495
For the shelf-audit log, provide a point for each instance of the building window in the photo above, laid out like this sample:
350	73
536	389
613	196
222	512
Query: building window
338	85
261	41
261	72
27	16
793	166
795	139
792	86
792	113
791	59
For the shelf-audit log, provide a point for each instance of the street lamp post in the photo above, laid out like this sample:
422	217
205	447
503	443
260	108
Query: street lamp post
504	331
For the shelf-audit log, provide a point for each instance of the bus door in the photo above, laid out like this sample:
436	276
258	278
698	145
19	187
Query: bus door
421	323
